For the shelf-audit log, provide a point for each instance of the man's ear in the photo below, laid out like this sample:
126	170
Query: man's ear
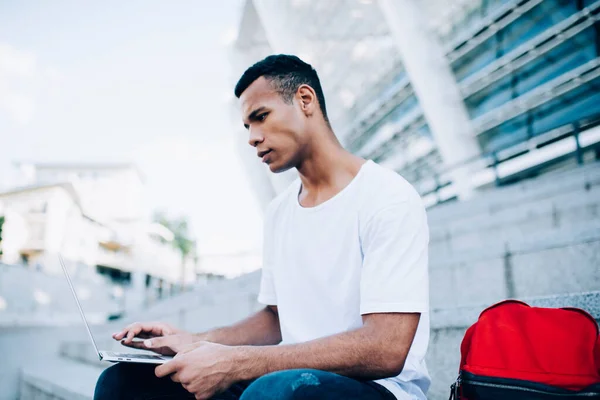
307	98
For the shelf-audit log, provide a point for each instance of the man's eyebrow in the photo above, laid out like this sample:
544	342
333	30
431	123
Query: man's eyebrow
253	116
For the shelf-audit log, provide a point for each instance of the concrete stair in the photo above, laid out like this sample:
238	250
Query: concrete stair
496	199
547	264
34	298
554	214
55	379
50	379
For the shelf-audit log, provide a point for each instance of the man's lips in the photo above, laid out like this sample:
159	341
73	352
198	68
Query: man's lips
262	154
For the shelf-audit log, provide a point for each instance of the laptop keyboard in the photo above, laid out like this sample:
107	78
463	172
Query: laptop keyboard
131	355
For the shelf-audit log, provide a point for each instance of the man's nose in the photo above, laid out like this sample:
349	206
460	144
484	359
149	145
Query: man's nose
256	137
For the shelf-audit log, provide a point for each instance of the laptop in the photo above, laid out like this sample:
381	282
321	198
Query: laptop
109	355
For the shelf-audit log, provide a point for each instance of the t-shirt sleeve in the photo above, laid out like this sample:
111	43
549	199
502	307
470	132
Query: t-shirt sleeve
267	294
394	275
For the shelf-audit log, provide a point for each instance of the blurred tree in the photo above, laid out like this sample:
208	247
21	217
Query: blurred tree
181	240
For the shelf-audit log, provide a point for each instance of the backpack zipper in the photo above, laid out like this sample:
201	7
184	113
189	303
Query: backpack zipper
454	388
456	385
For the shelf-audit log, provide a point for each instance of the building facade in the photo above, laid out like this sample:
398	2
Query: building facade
454	96
93	215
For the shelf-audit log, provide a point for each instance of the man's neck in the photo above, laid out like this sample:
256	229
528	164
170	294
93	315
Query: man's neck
328	169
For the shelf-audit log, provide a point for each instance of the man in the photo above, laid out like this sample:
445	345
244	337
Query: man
344	280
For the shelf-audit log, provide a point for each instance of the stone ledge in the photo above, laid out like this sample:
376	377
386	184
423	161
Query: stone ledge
58	379
465	316
539	242
548	208
498	198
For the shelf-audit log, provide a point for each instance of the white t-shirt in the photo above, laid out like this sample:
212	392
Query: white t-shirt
363	251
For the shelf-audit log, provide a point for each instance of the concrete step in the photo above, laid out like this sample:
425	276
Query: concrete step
553	265
517	244
204	308
567	208
497	199
22	346
27	291
57	378
448	326
23	338
497	239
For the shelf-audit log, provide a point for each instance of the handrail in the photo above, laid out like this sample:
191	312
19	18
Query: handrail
530	50
548	91
542	94
490	30
514	60
469	33
493	159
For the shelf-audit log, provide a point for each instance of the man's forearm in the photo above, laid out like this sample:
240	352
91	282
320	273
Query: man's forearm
361	354
260	329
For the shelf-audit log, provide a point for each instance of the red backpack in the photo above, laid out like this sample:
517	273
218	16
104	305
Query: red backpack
515	351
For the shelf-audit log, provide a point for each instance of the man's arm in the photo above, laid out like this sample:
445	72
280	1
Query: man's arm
376	350
260	329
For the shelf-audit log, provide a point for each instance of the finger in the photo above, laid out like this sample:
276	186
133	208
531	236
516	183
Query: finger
166	329
131	326
201	391
120	335
145	335
132	333
175	377
172	344
143	330
134	345
166	351
203	395
154	329
160	341
157	329
166	368
185	348
136	326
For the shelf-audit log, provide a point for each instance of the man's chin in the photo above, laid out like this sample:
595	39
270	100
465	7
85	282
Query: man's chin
277	168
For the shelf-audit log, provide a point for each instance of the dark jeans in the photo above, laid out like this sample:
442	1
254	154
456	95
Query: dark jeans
138	382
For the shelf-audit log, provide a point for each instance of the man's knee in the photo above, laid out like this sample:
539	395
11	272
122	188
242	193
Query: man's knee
119	380
281	385
108	383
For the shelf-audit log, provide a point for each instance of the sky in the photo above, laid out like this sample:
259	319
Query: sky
132	81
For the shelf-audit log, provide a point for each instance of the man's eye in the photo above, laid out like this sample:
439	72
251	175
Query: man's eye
262	117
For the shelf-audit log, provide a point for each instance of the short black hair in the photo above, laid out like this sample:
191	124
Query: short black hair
287	73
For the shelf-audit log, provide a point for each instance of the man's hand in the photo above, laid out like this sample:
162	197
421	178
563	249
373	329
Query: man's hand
171	344
148	330
203	369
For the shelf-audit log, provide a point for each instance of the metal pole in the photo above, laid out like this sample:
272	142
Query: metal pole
578	151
